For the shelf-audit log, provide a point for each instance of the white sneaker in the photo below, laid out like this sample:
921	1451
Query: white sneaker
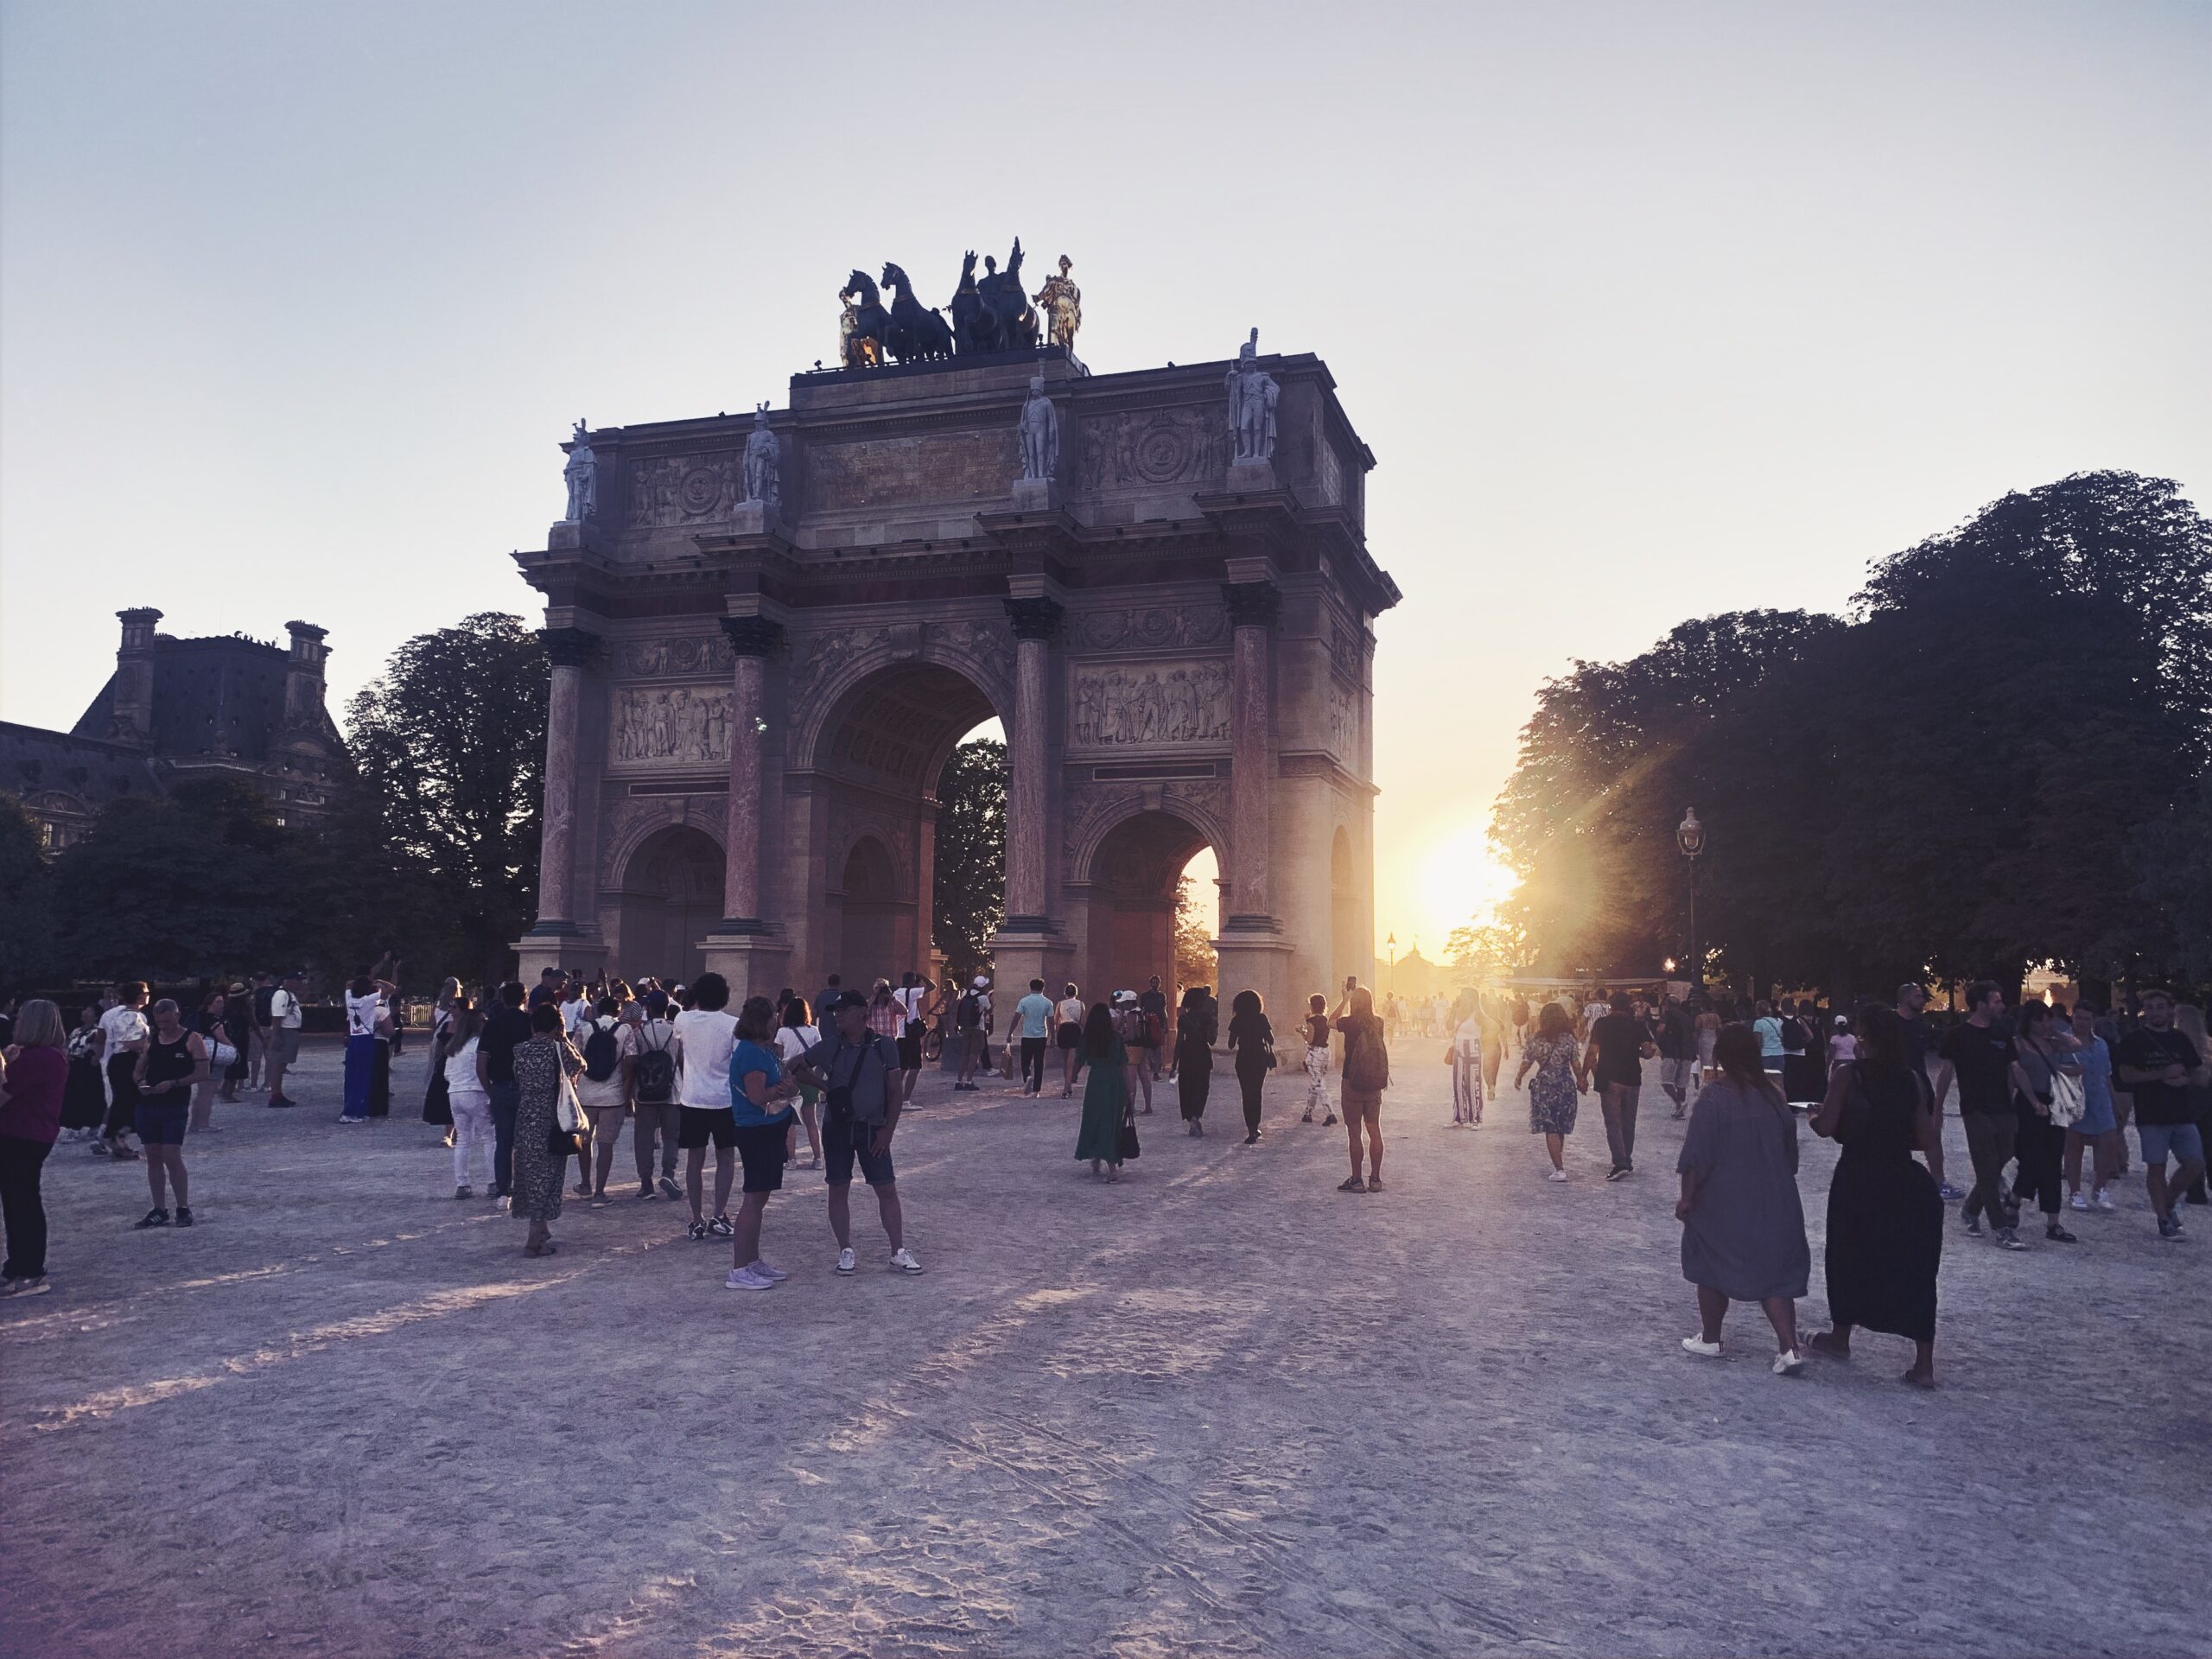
774	1274
2104	1202
746	1279
1787	1364
2080	1203
1557	1175
903	1259
847	1263
1701	1347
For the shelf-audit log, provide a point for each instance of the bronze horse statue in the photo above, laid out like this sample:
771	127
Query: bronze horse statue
918	333
866	324
975	327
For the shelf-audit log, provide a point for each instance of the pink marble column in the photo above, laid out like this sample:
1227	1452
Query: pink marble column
1252	609
753	638
569	649
1035	620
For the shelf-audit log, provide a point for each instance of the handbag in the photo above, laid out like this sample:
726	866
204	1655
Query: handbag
2070	1101
1268	1053
1128	1147
566	1138
220	1055
437	1099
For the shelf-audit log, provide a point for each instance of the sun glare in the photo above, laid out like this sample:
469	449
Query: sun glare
1460	880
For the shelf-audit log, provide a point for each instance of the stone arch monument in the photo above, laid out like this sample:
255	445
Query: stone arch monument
768	632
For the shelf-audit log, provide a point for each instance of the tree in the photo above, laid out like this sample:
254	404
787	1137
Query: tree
969	898
450	745
1195	961
26	901
1478	950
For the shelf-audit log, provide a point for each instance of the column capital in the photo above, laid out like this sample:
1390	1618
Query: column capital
568	647
1252	604
752	636
1035	619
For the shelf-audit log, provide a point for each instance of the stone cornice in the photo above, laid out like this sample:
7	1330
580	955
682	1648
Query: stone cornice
752	636
568	647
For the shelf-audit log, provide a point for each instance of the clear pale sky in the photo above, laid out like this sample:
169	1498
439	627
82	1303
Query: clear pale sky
1647	310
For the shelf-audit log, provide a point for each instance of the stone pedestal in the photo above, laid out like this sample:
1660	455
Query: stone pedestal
1255	959
1250	478
754	963
1036	495
1019	955
559	944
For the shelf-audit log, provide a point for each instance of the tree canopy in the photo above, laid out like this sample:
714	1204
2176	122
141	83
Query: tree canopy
1997	760
969	896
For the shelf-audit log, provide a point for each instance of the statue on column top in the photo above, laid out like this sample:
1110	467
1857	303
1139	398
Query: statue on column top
762	451
1040	429
1252	396
1063	305
579	475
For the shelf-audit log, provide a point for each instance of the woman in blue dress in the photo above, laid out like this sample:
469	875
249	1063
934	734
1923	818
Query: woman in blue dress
2098	1127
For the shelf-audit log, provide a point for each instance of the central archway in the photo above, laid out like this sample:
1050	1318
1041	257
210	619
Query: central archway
876	755
671	893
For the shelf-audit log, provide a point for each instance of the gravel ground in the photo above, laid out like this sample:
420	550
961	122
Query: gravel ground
1219	1409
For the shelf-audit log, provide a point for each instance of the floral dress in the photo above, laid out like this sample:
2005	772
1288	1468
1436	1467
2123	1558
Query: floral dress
1552	1095
539	1064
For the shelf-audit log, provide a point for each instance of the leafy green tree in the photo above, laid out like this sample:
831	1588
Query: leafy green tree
1196	961
450	745
26	901
970	896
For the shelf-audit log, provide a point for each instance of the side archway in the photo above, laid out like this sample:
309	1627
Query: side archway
1133	875
669	896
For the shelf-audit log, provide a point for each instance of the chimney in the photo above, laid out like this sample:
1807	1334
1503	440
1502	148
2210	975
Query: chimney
132	711
303	690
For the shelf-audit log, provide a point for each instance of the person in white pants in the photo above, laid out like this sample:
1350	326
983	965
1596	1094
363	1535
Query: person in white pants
1317	1059
471	1101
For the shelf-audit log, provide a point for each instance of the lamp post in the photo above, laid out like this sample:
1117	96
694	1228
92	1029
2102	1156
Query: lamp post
1690	836
1392	942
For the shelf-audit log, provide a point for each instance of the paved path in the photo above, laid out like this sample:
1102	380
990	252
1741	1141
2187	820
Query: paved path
1218	1408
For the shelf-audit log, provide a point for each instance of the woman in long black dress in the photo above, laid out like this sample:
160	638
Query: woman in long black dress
1885	1220
1252	1041
1195	1030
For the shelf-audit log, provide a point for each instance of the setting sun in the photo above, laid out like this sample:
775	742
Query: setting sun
1457	879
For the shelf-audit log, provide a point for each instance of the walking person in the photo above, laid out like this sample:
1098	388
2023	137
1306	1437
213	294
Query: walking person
2089	1062
1910	1003
2158	1064
1978	1053
507	1027
1677	1045
169	1065
1707	1029
125	1032
1106	1097
1555	1091
1618	1046
1252	1041
656	1112
759	1102
862	1098
1067	1033
1032	1017
972	1022
794	1036
1743	1225
543	1066
84	1100
1766	1025
1194	1035
237	1036
1152	1047
1886	1215
2039	1143
912	997
285	1015
706	1035
610	1053
468	1099
1317	1061
212	1024
1469	1060
1366	1074
33	1086
261	1031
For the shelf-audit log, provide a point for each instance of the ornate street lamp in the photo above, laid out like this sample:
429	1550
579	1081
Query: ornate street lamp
1393	943
1690	836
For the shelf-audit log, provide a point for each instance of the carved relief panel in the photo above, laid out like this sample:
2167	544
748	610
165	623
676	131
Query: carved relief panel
683	725
1118	705
684	654
667	491
1151	626
1152	447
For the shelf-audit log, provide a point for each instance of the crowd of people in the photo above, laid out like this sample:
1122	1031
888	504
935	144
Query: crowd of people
527	1078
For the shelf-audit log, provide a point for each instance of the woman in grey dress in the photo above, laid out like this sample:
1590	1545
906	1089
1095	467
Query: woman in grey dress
541	1064
1742	1227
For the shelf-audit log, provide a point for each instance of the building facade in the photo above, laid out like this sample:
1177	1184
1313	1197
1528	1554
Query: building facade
766	648
176	711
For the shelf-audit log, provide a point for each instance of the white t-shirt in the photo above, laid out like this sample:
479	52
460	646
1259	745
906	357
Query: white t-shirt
361	1014
612	1090
123	1026
1468	1040
707	1037
284	1009
461	1072
1070	1011
792	1041
574	1017
911	1000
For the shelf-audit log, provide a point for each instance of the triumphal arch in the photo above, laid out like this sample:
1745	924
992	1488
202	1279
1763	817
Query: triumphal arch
769	630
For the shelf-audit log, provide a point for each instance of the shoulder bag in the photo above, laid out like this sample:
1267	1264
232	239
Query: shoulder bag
1128	1148
2070	1101
566	1138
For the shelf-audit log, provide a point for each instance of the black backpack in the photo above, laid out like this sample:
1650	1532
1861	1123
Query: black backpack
655	1075
971	1011
602	1052
1795	1037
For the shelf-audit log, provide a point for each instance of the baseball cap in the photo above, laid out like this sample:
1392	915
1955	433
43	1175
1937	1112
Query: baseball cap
838	1000
982	981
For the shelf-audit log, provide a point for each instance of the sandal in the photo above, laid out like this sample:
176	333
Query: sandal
1353	1184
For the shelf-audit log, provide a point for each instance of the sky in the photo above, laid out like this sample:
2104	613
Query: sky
1647	310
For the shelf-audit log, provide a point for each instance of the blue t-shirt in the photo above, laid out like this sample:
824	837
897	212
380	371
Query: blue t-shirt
745	1059
1036	1012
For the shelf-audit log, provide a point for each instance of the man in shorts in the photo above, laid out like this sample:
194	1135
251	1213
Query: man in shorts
706	1033
912	998
2158	1064
863	1095
1677	1052
972	1021
284	1035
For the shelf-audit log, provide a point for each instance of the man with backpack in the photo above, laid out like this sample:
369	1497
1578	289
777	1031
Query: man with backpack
603	1091
971	1020
659	1114
863	1095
